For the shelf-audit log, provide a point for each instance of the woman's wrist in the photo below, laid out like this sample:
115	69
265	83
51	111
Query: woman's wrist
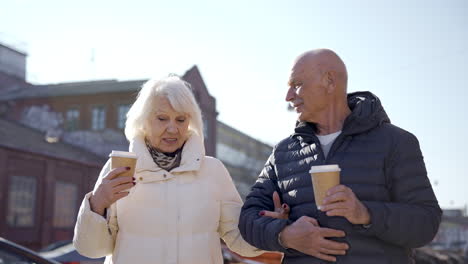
92	204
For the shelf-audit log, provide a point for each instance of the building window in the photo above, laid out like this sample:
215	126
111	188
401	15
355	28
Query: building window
122	115
72	119
98	118
66	195
21	201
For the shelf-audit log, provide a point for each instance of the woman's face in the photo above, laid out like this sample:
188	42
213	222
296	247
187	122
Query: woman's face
169	127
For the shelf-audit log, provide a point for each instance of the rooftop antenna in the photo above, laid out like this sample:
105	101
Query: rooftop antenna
93	64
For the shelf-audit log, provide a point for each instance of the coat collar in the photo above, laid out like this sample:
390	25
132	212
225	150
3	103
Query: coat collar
366	113
192	155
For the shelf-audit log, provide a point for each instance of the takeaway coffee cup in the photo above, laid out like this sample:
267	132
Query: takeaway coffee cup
123	159
324	177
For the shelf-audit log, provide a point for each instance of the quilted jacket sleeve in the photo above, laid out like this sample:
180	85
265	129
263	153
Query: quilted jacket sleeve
95	235
413	217
260	231
231	204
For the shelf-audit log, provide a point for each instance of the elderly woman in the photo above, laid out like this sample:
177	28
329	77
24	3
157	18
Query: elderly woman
179	203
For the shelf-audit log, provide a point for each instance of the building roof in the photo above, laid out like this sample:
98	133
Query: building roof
17	136
193	76
74	88
13	47
461	220
222	125
89	87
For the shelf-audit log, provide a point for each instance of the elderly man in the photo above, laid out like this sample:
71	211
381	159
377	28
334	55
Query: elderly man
385	205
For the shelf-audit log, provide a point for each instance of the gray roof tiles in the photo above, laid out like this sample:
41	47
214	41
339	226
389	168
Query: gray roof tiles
78	88
89	87
17	136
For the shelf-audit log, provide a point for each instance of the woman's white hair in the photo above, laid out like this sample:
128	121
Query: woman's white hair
180	96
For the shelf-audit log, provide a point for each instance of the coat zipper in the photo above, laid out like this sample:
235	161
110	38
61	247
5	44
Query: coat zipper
336	144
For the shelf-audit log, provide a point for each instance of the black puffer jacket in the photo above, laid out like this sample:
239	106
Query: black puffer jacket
380	162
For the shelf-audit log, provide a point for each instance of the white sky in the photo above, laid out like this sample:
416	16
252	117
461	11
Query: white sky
412	54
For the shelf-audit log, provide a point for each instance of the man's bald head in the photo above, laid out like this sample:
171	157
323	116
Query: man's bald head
317	87
324	61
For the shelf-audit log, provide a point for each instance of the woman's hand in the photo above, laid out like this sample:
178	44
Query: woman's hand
281	211
110	190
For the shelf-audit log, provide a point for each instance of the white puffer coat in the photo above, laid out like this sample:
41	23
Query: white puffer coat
168	217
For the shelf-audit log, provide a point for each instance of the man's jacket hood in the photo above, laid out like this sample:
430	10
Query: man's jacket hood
366	113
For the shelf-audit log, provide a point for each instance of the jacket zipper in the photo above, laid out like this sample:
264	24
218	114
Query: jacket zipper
338	142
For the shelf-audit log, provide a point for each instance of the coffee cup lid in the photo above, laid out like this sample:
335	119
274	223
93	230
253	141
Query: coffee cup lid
324	168
124	154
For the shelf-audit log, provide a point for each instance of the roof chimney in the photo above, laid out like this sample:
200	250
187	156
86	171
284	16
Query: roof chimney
12	62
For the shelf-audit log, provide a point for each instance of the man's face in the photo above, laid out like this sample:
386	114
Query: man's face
306	92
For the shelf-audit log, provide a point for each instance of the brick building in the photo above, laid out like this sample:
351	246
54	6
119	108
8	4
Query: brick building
453	231
92	114
242	155
42	185
55	138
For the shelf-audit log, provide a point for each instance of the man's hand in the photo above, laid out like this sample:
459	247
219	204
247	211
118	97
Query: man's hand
281	211
341	201
306	236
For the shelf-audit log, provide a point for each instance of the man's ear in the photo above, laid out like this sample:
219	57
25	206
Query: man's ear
330	81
